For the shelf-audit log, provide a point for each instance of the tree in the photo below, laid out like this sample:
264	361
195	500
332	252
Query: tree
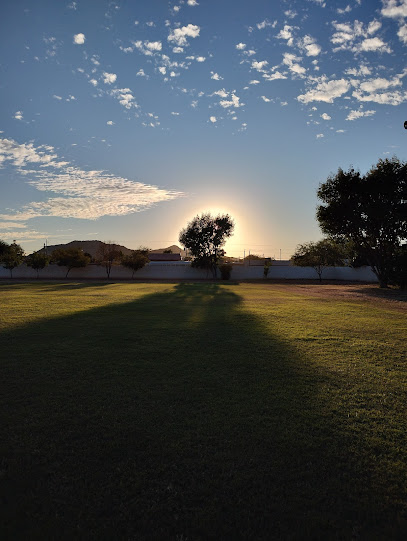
136	260
107	254
11	256
37	261
370	211
71	258
205	237
318	255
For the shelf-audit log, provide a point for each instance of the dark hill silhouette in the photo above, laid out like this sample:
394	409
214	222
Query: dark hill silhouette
92	247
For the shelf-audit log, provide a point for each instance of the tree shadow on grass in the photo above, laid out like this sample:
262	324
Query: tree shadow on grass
177	416
391	294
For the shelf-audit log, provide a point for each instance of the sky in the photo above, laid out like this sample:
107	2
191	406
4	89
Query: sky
122	120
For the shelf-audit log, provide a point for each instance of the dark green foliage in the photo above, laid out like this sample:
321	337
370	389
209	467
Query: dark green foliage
107	254
205	236
399	272
11	256
325	253
225	270
70	258
37	261
370	211
136	260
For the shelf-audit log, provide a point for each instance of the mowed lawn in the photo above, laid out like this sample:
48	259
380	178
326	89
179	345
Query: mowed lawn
202	411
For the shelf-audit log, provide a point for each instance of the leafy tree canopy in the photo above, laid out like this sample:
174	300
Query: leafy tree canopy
325	253
370	211
37	261
136	260
70	258
11	256
204	236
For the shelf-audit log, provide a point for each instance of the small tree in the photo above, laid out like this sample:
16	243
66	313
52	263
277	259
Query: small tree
319	255
136	260
11	256
205	237
37	261
107	254
225	270
71	258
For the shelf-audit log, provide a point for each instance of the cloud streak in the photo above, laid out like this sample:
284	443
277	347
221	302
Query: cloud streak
76	193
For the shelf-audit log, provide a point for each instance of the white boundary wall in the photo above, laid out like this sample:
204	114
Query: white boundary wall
182	270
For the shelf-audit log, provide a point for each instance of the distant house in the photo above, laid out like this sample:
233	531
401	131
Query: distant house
164	257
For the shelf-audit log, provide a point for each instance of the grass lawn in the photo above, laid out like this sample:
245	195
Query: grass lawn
202	411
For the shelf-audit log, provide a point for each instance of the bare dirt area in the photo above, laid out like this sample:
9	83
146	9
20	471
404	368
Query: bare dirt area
348	290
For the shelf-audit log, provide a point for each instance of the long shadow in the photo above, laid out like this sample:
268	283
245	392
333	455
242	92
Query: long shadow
53	285
176	416
381	293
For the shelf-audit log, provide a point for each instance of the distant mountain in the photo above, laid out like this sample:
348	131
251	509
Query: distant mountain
174	249
93	246
88	246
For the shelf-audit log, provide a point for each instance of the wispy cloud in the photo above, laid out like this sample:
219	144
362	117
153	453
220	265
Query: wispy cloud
79	194
353	115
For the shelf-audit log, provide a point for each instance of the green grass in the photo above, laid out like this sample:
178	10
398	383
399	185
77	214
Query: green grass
201	411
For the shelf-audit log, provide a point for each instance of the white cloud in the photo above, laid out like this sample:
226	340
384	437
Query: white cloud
384	98
9	225
153	45
325	116
18	115
233	102
216	76
380	83
200	59
79	39
221	93
286	33
309	46
174	113
150	23
254	82
57	97
192	3
326	91
110	123
394	8
265	24
93	82
290	14
141	73
80	194
162	70
344	10
149	48
109	78
241	46
362	70
320	135
180	35
291	61
259	66
125	97
274	76
402	33
213	119
358	38
353	115
267	100
177	50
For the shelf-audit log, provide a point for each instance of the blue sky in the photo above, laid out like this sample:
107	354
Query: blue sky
122	120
